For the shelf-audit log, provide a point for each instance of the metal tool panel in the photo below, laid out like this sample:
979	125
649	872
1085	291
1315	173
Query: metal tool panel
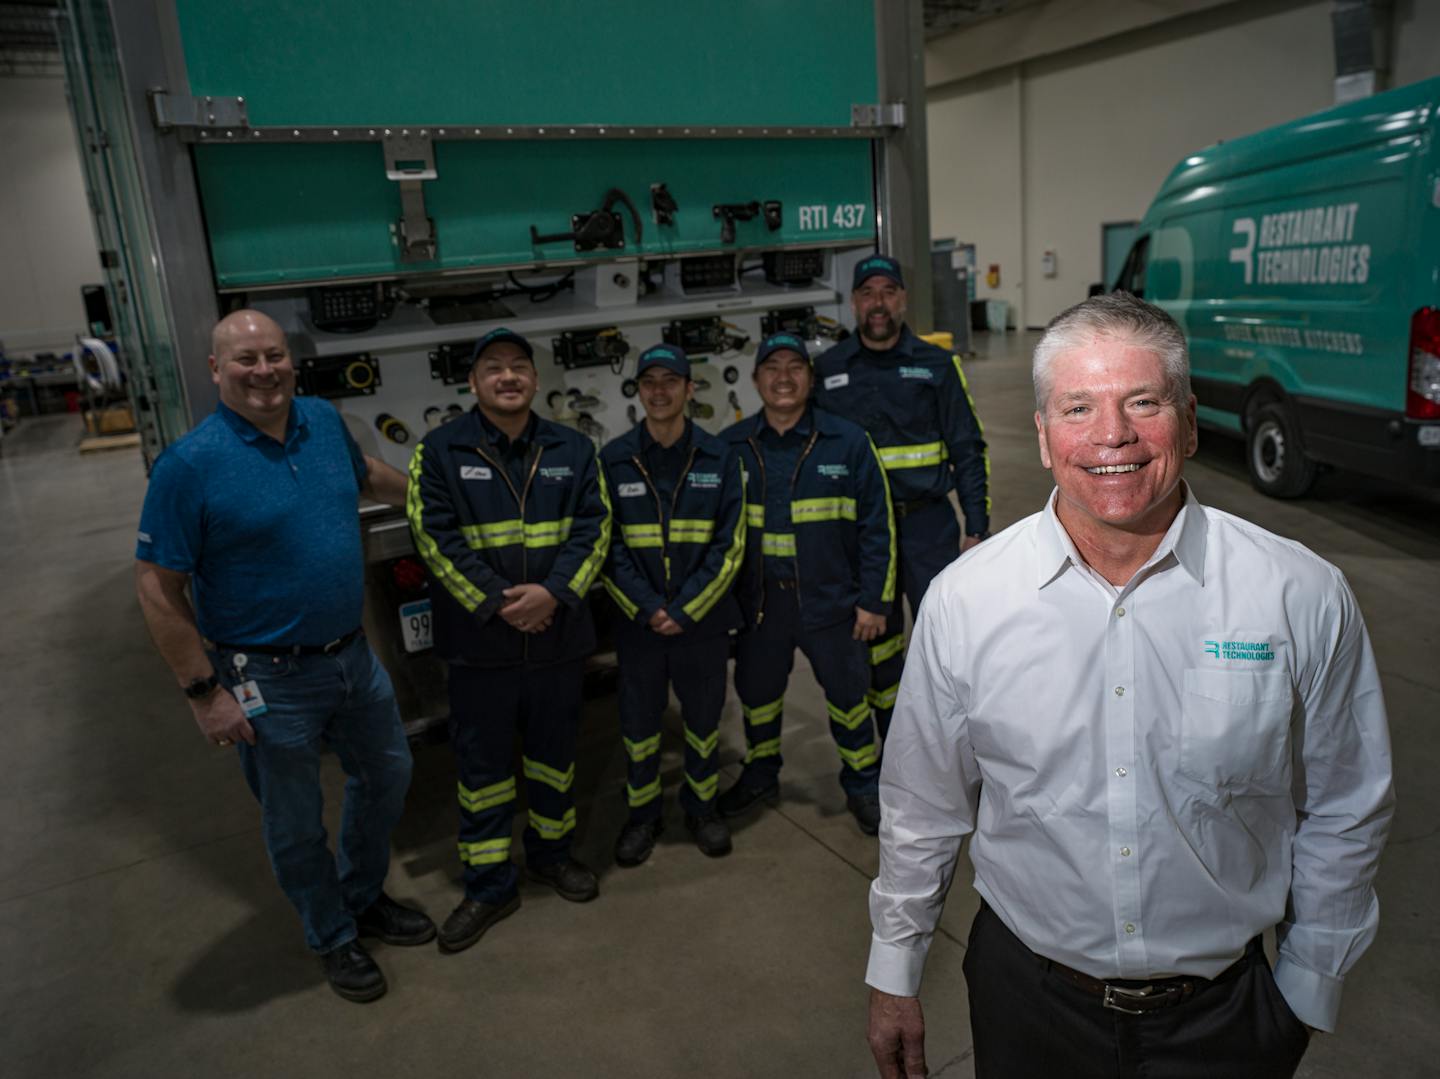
505	61
279	214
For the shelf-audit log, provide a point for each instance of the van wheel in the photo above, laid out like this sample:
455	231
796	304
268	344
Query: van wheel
1277	462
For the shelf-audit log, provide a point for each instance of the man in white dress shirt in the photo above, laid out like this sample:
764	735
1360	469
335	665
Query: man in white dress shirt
1162	726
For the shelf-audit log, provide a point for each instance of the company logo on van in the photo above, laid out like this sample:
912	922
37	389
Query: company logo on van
1312	246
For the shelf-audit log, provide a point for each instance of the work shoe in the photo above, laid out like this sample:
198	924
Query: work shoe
569	878
744	794
353	974
394	924
637	840
866	810
467	922
712	835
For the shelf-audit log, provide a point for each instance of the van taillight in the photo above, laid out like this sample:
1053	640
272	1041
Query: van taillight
1422	393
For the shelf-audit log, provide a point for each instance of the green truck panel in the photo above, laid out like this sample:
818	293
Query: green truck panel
278	213
507	62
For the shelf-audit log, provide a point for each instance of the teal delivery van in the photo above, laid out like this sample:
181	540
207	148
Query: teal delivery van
1304	264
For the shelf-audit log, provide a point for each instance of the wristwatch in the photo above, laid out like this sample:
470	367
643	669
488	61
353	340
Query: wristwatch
199	688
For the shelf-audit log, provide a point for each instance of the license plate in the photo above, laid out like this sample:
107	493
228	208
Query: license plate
1429	436
415	625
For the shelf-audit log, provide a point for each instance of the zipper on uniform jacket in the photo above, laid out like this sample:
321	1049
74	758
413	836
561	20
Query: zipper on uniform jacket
519	501
794	477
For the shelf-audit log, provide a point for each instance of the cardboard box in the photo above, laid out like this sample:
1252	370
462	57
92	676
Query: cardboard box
115	420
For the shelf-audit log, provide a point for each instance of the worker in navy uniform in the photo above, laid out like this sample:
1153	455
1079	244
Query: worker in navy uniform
512	519
255	511
820	576
913	400
676	548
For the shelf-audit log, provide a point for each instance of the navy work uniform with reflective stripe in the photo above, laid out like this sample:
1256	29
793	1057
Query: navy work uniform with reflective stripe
678	544
479	531
916	405
821	543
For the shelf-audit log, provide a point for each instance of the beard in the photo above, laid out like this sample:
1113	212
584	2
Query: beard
888	329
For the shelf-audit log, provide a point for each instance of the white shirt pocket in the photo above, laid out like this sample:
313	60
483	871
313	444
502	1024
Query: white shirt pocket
1235	729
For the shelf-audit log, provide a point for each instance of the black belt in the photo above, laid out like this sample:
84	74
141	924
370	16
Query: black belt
1136	997
292	649
915	505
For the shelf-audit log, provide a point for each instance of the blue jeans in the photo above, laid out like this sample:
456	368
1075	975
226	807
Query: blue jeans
344	701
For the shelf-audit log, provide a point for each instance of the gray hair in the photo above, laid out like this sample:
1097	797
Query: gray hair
1118	315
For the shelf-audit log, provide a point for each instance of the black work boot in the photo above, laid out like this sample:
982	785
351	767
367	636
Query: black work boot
745	793
569	878
467	922
637	840
712	835
866	810
394	924
353	974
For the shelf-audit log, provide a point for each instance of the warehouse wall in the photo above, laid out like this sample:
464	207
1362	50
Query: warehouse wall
47	244
1097	127
974	179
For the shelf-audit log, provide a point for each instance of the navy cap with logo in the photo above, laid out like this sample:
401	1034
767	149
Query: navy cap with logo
670	357
498	335
778	341
877	266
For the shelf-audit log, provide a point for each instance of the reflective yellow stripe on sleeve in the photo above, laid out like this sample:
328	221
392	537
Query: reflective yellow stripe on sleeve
702	604
444	571
627	606
590	568
985	454
892	571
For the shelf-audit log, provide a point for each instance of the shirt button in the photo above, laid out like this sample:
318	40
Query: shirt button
1121	773
1119	612
1119	691
1124	852
1129	927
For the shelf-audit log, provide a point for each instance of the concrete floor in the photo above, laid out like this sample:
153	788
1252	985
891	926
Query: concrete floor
141	933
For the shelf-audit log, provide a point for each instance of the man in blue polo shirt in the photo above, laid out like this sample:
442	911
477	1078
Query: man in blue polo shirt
255	509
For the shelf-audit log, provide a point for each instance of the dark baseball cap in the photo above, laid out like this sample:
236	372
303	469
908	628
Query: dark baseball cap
877	266
670	357
495	337
776	342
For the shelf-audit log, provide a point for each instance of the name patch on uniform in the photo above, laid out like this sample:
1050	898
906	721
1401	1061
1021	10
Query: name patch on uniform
556	472
474	472
834	472
703	479
630	490
1251	651
916	372
834	382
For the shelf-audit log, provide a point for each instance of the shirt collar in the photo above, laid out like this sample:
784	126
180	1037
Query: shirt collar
903	349
296	421
1055	551
647	440
801	428
500	439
